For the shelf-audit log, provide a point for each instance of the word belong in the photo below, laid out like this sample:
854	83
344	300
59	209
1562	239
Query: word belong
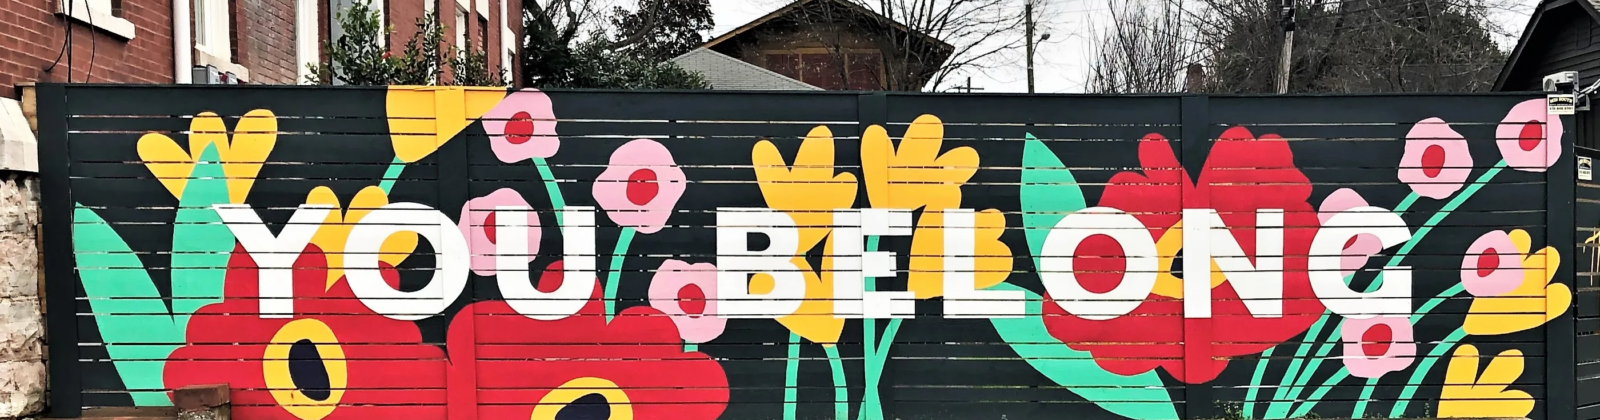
1206	241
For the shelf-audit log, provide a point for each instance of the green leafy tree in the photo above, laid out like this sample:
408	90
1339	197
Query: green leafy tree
558	53
359	58
659	30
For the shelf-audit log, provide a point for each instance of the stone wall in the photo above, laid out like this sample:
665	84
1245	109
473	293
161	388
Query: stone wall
22	369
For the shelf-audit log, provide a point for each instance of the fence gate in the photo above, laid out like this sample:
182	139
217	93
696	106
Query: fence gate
448	253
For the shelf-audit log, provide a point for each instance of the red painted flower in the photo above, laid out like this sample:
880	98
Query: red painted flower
581	366
334	359
1242	175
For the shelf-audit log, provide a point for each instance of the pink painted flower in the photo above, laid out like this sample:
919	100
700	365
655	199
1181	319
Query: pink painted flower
522	126
1358	249
1377	345
1492	265
688	293
1437	161
1529	137
478	225
640	186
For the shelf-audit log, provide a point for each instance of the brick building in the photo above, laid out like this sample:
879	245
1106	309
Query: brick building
257	41
138	41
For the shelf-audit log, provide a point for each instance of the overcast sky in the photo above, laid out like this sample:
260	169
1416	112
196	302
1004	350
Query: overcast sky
1060	64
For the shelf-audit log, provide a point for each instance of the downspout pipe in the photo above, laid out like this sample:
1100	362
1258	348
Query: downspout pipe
182	45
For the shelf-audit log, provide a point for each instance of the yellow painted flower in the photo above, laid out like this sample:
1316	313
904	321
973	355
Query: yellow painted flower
331	236
927	247
241	156
809	191
1467	394
1531	303
422	118
814	319
1167	248
915	174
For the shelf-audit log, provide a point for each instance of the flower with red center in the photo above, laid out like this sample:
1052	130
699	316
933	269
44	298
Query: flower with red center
334	359
1492	265
1377	345
640	186
1152	335
688	293
522	126
478	224
1529	137
1436	161
581	366
1358	249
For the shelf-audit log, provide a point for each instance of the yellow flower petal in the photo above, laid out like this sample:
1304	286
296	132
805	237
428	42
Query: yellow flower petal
1168	246
1466	394
335	230
207	128
927	247
168	162
1530	305
915	174
809	191
814	320
422	118
243	156
1521	240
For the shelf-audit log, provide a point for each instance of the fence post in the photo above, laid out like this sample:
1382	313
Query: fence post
873	108
1561	224
55	210
1195	143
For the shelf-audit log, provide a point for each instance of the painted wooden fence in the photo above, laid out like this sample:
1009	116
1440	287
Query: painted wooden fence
445	253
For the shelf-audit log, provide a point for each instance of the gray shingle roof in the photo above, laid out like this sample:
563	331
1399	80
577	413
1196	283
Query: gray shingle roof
728	73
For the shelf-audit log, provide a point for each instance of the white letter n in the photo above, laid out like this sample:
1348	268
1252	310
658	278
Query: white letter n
1206	239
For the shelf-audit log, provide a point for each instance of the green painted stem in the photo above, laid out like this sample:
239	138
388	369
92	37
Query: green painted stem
391	175
871	405
1299	377
841	395
1311	402
614	276
1360	412
1416	238
690	347
551	188
1425	365
1255	385
791	378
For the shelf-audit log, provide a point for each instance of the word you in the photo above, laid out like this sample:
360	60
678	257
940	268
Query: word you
1206	240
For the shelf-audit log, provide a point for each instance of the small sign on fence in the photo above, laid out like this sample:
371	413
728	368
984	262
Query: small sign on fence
1585	168
1561	104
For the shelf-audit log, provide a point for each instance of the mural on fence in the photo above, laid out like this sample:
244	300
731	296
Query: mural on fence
618	291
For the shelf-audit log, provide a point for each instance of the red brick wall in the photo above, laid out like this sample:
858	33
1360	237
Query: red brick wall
33	35
403	15
267	44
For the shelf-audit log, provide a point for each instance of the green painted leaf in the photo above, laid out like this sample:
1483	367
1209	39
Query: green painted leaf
1048	193
200	242
128	308
1139	397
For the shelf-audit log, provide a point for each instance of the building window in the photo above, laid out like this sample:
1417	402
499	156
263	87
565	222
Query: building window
211	28
103	14
461	28
483	32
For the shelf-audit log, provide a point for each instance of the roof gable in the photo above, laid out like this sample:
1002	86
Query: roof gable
849	6
1548	7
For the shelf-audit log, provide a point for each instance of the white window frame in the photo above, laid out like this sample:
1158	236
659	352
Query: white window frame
307	52
96	13
462	17
211	29
508	45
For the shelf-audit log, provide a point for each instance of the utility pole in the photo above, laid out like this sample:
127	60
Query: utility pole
1027	19
1285	59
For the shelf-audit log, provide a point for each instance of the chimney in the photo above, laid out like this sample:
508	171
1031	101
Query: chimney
1195	78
